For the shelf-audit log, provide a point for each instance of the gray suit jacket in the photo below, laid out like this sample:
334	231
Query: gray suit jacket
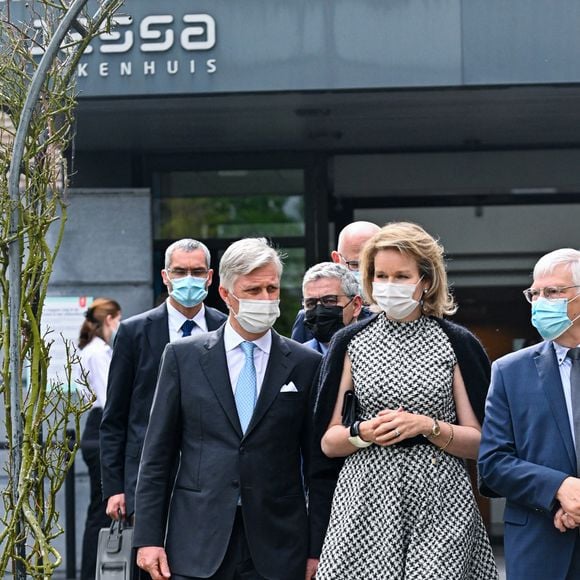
194	419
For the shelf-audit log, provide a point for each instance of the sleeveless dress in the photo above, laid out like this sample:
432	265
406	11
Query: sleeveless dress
404	512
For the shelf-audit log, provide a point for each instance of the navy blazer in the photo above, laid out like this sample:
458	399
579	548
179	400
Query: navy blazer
526	453
194	418
132	378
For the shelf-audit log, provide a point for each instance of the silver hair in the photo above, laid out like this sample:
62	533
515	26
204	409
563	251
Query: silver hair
348	283
187	245
568	257
244	256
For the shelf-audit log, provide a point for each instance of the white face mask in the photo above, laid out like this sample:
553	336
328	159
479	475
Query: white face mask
396	300
257	316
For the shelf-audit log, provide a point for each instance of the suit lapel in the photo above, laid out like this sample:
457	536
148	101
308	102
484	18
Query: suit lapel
215	367
213	318
157	329
547	366
277	372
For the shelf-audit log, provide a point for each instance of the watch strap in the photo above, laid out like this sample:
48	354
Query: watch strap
355	438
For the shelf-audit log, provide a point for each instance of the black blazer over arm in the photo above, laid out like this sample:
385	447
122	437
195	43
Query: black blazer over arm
475	369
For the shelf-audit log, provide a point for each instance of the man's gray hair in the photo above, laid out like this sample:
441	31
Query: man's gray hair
244	256
187	245
348	282
568	257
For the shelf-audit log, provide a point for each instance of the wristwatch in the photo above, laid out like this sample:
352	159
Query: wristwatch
355	438
435	430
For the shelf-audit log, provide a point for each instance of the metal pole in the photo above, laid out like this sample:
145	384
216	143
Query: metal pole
70	514
14	259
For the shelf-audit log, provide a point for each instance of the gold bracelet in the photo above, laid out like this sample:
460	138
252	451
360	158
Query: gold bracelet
450	440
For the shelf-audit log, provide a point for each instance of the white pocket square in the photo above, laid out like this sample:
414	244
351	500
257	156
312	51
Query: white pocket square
289	388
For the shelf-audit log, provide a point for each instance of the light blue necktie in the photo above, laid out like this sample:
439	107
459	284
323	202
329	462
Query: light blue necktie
246	388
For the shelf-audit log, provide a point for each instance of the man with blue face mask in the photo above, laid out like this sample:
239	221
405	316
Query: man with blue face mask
133	373
530	444
351	240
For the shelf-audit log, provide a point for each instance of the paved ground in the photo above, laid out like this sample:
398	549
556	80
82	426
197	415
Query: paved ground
498	551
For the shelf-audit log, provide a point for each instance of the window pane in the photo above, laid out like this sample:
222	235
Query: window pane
229	204
291	291
229	216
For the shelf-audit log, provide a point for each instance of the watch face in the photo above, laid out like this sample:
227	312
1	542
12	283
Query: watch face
435	430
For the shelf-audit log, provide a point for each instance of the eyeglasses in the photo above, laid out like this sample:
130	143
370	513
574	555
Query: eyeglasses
549	292
327	301
352	265
183	272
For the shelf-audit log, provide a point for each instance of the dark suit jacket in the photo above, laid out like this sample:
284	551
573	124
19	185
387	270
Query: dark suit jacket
526	452
194	417
132	378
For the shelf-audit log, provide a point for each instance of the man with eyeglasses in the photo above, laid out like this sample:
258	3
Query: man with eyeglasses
136	356
331	302
351	240
530	443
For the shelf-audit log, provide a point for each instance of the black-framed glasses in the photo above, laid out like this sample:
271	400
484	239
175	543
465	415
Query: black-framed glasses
549	292
352	265
328	301
183	272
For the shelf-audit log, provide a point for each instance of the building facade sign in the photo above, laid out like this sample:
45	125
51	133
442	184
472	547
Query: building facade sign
219	46
180	47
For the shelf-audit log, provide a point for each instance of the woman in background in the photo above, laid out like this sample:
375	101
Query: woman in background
95	341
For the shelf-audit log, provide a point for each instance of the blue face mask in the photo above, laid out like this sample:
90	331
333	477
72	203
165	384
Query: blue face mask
189	291
550	317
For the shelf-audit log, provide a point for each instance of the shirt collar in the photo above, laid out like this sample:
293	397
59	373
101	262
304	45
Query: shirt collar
176	318
561	352
232	339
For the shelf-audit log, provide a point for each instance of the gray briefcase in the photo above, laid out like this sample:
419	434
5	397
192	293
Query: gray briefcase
115	560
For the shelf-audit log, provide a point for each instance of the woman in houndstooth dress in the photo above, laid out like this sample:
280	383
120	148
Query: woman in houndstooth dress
403	507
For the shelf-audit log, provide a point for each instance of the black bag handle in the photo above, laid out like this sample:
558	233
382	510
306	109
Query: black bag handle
115	539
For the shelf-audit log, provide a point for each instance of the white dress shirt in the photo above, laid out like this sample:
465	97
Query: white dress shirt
175	320
236	357
95	360
565	367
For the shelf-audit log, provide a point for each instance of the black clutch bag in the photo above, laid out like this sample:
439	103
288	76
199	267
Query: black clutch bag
349	408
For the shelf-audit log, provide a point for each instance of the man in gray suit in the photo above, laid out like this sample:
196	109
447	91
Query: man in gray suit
233	407
133	373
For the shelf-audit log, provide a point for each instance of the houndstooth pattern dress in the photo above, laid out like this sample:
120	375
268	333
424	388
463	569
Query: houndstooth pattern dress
404	512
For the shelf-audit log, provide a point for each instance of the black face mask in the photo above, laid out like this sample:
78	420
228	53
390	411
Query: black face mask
324	321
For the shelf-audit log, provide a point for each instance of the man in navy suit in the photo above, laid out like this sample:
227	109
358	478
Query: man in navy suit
529	444
133	373
233	407
331	301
